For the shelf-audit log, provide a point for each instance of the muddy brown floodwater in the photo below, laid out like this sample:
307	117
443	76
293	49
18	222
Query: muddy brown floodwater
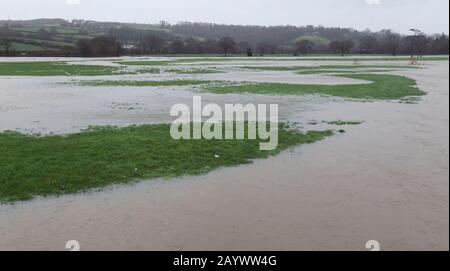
386	179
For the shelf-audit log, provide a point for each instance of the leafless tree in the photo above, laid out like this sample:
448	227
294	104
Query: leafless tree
5	43
368	44
151	44
439	44
101	46
391	42
334	46
262	48
5	40
227	44
343	47
347	46
304	46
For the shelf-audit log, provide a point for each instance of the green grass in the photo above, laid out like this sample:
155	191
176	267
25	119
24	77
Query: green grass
384	87
130	83
51	43
315	39
35	29
54	165
55	69
25	47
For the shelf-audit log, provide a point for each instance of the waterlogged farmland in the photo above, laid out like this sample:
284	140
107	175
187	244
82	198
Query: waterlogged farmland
100	127
110	154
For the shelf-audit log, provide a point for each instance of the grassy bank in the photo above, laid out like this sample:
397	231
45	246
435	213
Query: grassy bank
55	69
384	87
54	165
67	69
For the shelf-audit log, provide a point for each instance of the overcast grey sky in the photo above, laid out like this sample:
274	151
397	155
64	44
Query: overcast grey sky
432	16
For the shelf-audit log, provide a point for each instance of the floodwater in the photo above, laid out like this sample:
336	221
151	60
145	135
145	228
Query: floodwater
386	179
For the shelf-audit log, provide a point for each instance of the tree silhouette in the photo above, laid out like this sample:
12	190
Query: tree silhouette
304	46
227	44
391	42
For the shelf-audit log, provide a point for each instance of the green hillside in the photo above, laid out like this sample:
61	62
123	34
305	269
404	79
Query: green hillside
319	40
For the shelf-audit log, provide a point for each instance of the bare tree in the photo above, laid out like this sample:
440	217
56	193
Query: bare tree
151	44
334	46
227	44
177	46
368	44
391	42
422	44
242	47
343	47
101	46
347	46
439	44
272	49
262	47
5	41
249	52
304	46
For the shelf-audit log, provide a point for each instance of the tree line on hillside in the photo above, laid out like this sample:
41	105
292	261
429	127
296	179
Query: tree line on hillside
152	44
90	38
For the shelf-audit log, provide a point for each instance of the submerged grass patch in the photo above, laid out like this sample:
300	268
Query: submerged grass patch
147	70
308	58
327	67
144	62
410	100
55	165
398	58
131	83
194	71
55	69
384	87
342	123
314	71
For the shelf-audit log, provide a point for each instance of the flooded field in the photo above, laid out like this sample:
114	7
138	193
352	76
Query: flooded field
386	179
